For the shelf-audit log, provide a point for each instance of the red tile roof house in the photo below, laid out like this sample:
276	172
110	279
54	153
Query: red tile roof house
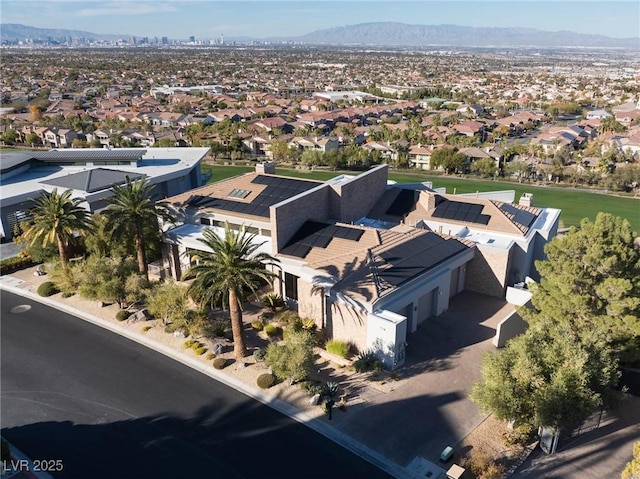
367	260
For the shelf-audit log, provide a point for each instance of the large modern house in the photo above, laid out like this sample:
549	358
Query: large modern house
91	174
367	259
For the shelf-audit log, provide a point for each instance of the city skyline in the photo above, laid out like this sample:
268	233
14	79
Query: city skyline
181	19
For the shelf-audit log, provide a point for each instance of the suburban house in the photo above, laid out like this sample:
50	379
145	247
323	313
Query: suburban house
323	144
367	259
420	156
91	173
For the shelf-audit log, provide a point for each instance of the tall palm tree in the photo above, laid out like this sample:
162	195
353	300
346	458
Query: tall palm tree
225	274
57	218
130	209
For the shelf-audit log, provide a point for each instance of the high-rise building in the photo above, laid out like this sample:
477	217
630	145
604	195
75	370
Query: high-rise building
192	39
165	41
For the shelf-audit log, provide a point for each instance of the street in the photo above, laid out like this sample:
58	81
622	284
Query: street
107	407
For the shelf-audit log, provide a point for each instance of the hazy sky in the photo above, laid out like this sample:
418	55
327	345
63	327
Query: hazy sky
179	19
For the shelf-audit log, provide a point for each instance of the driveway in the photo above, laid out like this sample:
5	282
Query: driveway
429	409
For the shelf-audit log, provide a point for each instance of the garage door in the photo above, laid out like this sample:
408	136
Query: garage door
455	279
425	306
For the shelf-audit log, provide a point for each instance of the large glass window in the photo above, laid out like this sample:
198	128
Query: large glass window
291	286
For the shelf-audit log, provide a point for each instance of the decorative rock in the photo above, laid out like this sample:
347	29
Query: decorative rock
101	304
315	400
178	334
241	365
217	348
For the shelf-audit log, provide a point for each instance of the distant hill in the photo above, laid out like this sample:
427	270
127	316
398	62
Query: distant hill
380	34
13	31
400	34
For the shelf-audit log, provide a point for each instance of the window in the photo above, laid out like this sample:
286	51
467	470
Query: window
205	221
266	233
218	224
251	230
291	286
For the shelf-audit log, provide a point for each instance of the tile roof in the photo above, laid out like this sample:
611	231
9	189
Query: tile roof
386	259
264	191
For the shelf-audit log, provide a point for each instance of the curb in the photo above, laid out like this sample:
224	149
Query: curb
283	407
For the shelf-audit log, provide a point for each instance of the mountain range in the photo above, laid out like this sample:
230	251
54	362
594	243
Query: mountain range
382	34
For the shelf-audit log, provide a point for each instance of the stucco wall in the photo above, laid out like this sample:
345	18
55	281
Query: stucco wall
487	271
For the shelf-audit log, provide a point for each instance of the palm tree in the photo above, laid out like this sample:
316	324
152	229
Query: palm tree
225	274
130	210
57	218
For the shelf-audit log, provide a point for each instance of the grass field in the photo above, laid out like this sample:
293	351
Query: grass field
575	204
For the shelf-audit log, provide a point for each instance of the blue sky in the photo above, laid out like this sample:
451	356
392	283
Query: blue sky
179	19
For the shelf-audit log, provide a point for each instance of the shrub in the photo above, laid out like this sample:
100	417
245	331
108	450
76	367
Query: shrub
520	435
189	343
258	325
11	265
337	347
483	467
47	289
219	363
309	324
211	356
272	301
219	328
265	381
367	361
68	294
330	389
146	328
259	354
200	351
287	317
123	314
294	359
312	388
272	330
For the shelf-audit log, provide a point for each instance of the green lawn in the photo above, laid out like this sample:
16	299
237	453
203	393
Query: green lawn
574	204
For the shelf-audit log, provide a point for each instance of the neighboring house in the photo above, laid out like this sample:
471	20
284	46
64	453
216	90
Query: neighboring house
628	118
366	260
59	137
598	115
90	173
420	156
384	149
323	144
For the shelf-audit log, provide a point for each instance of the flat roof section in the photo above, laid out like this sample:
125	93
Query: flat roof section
93	180
96	154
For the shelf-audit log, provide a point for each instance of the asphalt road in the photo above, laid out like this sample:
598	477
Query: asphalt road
108	407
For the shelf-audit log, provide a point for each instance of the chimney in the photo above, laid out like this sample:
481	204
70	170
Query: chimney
266	168
427	200
526	199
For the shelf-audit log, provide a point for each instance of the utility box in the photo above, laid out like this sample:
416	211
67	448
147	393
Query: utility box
387	336
455	472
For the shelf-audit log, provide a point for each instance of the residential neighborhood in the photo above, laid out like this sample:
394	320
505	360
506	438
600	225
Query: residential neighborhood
235	211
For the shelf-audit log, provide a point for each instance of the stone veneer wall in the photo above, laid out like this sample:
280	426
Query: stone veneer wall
487	272
359	195
347	324
288	217
310	303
